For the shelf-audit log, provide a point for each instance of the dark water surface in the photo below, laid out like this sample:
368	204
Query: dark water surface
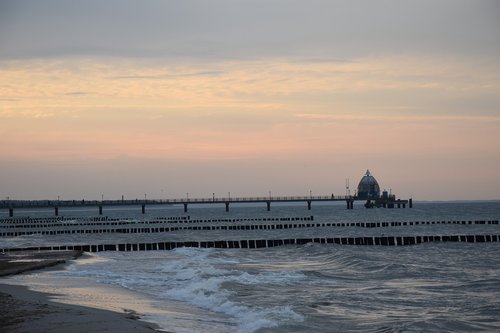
432	287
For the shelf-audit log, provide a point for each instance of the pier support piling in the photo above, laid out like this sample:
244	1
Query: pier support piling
268	205
100	210
227	206
350	204
410	203
309	205
56	211
185	208
144	208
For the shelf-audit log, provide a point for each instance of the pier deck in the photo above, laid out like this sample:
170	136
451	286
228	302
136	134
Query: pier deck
56	204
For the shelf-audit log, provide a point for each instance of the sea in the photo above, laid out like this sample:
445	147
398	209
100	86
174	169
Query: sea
312	287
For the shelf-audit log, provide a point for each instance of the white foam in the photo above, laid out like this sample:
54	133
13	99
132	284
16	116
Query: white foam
199	277
89	259
269	278
194	278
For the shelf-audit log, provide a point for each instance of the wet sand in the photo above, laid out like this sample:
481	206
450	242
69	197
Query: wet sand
23	310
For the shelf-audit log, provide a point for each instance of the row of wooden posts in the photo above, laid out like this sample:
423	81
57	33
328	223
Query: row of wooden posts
266	243
231	227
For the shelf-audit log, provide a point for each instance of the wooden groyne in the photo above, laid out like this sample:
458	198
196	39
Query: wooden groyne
268	243
118	226
48	222
182	225
60	219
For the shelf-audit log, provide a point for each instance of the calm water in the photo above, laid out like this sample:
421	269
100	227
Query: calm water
433	287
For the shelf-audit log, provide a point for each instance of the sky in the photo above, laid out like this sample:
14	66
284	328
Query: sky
205	97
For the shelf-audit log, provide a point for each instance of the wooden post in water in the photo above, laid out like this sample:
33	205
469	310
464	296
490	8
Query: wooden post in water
227	206
308	204
268	205
56	211
185	208
100	210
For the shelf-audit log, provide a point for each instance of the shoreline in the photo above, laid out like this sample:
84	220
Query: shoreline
24	310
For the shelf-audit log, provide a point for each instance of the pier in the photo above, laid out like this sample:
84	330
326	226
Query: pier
368	190
11	205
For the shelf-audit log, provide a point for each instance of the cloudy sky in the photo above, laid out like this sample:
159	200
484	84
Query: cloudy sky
172	97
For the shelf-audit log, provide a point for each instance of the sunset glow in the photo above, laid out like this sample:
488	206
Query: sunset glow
419	120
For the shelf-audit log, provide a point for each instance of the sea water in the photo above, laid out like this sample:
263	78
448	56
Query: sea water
431	287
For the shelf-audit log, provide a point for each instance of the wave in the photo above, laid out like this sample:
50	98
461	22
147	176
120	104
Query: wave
195	278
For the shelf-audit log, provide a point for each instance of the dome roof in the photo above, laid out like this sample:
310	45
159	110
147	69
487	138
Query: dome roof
368	187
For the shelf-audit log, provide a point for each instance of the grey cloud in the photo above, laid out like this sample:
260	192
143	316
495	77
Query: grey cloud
247	28
169	76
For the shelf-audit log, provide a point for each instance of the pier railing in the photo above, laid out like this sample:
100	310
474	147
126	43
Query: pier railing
119	202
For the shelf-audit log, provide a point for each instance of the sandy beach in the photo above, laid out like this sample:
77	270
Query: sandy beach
23	310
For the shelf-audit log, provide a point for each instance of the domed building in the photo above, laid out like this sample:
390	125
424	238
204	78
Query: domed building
368	187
